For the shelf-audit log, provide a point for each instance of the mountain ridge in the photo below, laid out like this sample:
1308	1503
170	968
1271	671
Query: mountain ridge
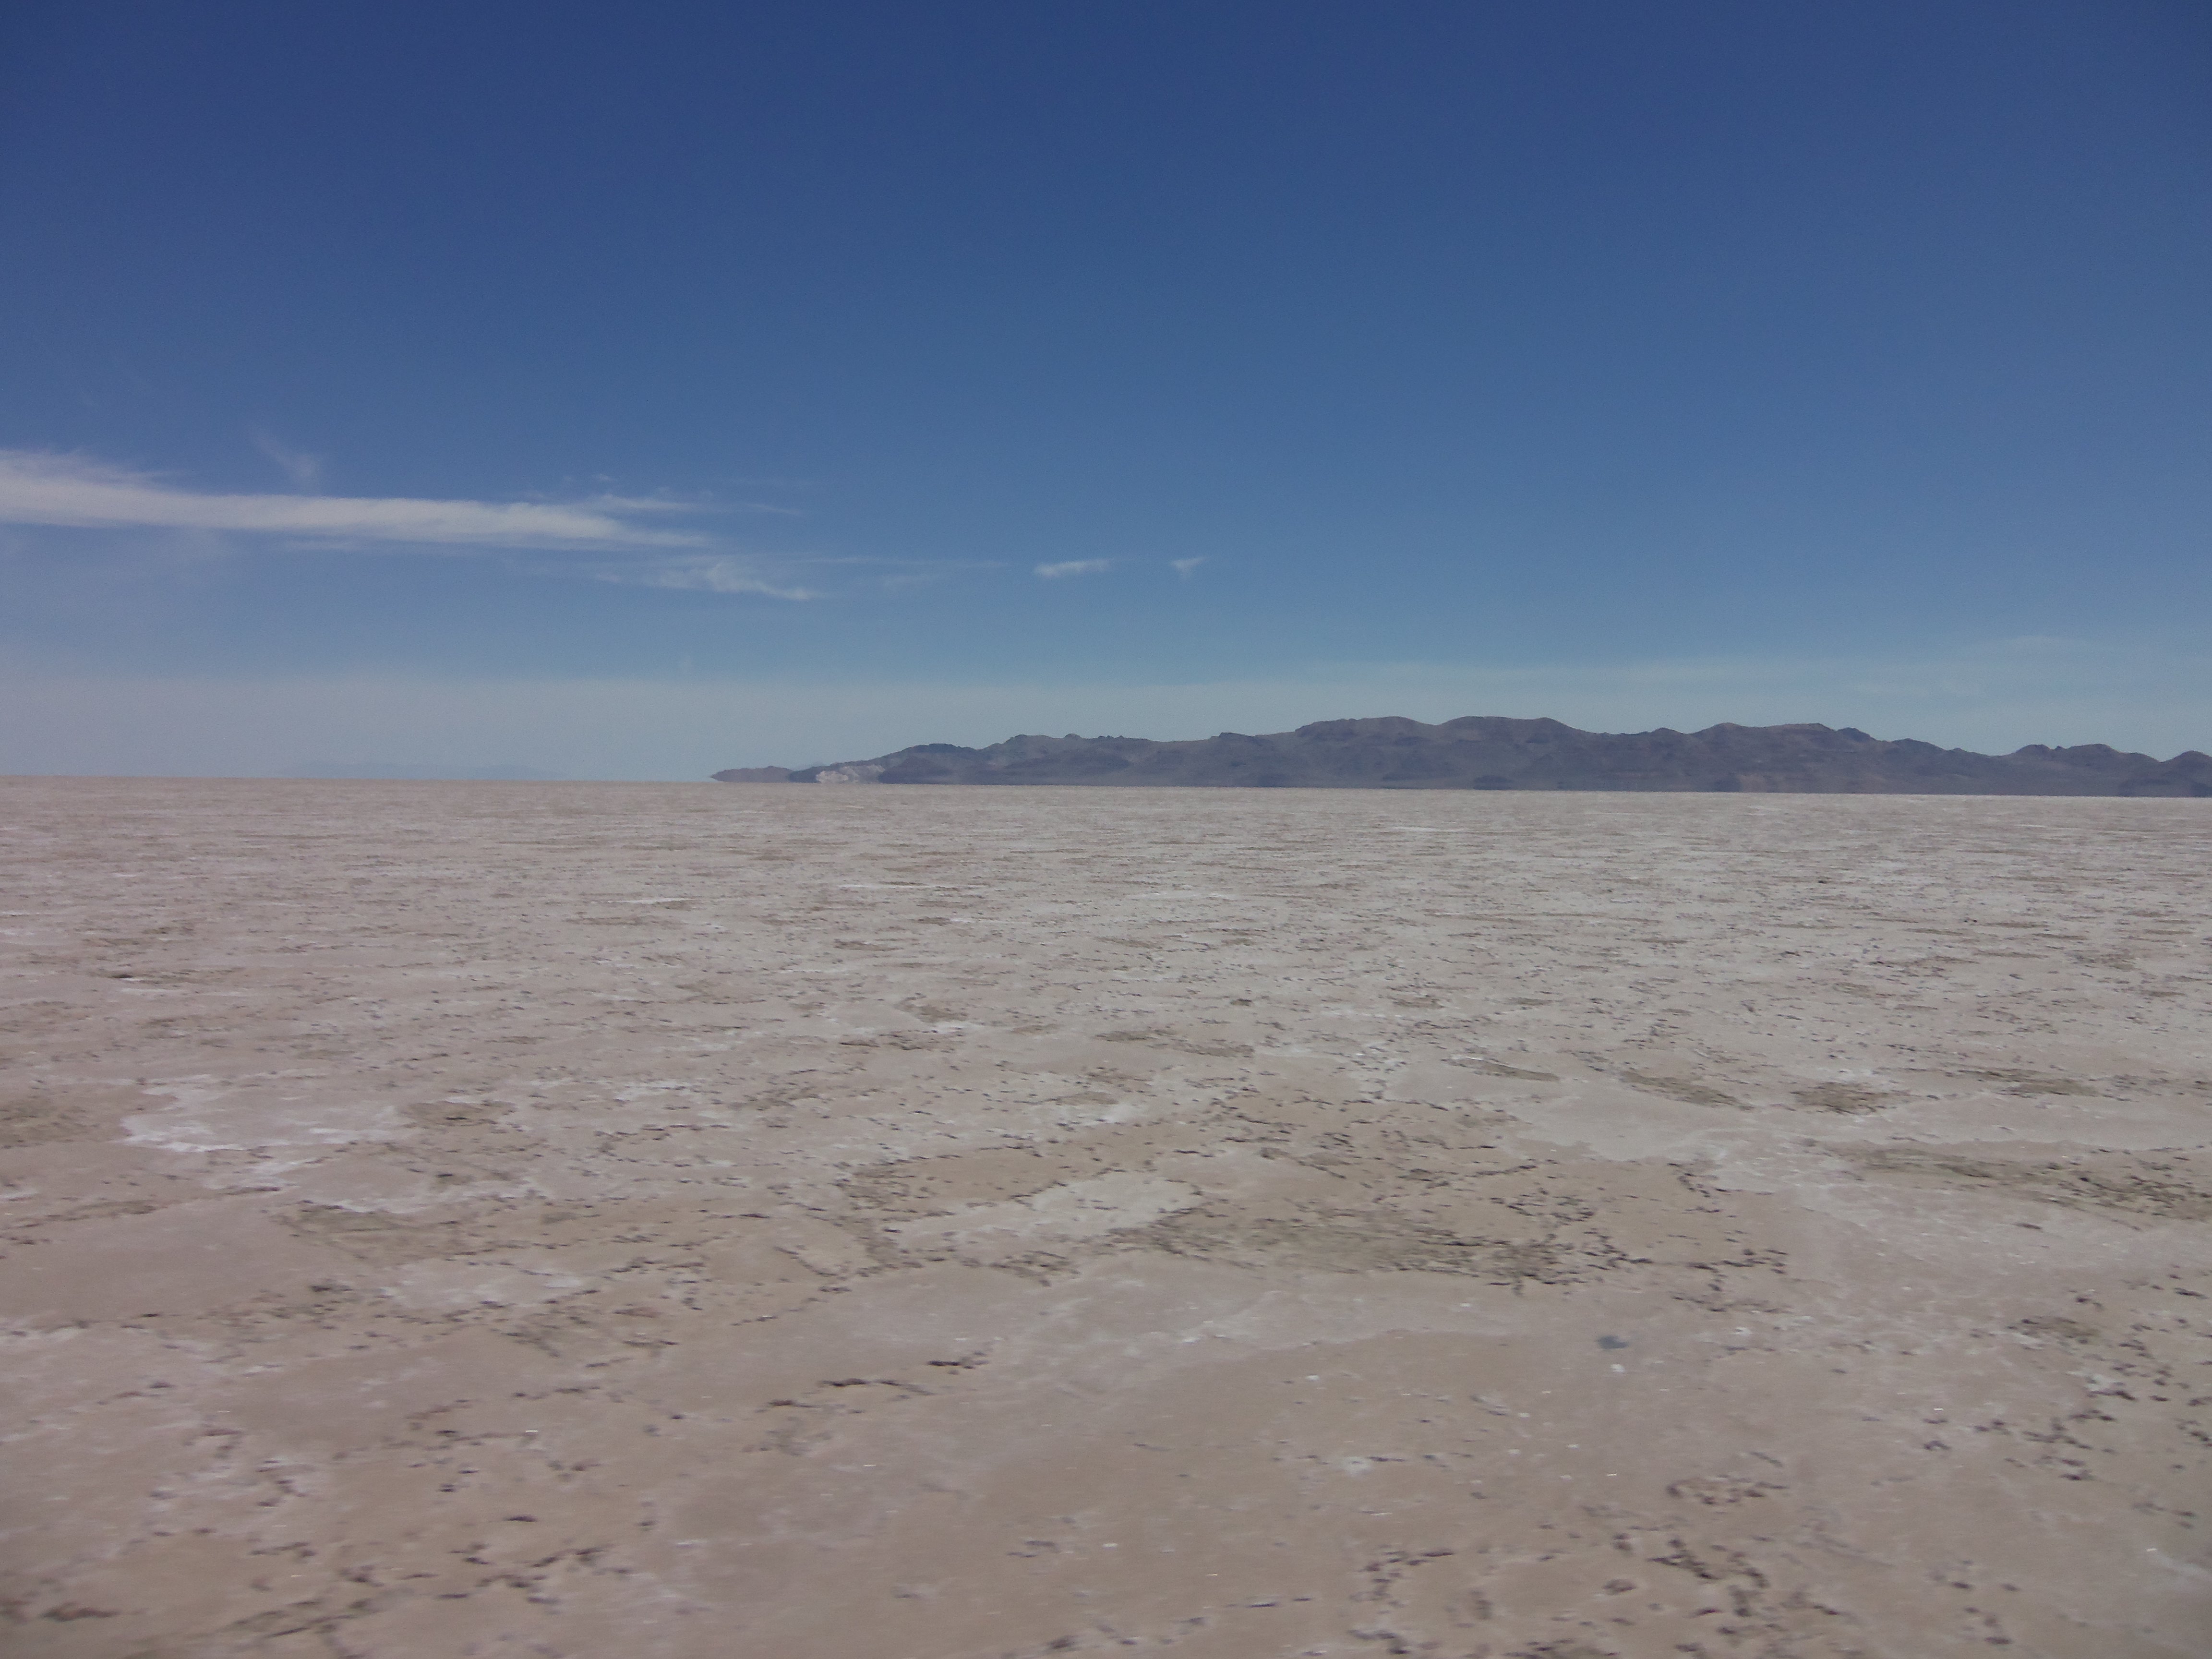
1481	752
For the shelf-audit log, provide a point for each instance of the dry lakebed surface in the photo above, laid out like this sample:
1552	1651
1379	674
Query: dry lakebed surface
819	1222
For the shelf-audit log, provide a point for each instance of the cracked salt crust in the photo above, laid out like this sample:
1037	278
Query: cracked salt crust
1621	1225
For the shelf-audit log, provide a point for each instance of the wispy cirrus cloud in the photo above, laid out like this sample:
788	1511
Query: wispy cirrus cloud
305	470
706	574
74	491
1183	567
1066	568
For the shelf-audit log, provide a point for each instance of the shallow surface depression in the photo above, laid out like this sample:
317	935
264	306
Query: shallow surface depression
569	1219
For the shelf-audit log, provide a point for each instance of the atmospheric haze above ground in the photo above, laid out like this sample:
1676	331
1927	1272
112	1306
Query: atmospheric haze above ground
566	390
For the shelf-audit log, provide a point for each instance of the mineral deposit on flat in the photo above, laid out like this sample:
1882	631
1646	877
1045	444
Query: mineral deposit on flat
713	1221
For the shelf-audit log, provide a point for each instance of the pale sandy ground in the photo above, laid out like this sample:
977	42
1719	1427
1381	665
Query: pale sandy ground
902	1223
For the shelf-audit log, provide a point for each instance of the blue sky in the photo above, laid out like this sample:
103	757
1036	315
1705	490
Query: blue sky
550	385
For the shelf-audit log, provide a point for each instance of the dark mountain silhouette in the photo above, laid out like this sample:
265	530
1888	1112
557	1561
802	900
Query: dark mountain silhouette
1487	752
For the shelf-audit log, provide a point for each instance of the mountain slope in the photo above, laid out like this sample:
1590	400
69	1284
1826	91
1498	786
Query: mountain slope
1488	752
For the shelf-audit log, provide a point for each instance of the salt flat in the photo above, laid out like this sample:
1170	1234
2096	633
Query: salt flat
906	1223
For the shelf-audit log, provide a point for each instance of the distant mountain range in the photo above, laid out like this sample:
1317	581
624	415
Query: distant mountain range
1487	752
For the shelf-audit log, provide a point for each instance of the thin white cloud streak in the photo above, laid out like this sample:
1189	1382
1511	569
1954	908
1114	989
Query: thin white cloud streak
1066	568
305	470
701	575
670	504
1184	567
40	487
1992	698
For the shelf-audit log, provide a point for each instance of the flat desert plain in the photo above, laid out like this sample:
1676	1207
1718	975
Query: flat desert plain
872	1222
